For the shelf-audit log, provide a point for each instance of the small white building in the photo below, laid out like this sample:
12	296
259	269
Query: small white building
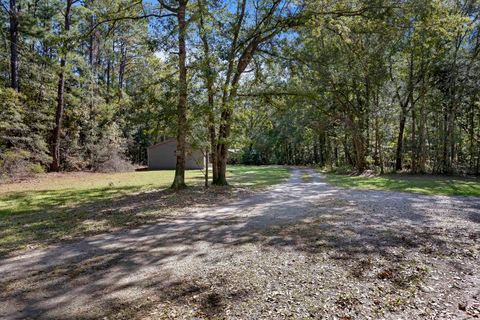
162	156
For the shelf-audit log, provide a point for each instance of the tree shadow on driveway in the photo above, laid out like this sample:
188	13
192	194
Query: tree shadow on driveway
129	272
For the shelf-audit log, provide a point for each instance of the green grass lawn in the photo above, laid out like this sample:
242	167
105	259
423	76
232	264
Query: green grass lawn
63	206
427	184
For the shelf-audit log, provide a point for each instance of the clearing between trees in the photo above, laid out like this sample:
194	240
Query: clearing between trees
298	249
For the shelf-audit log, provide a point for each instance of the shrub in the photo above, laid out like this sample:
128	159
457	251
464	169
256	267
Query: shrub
116	163
15	164
108	155
23	150
37	168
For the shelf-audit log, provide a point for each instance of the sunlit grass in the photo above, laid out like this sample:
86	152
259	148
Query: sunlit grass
68	190
441	185
256	176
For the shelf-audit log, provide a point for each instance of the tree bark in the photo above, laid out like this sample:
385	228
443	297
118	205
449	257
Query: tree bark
123	64
421	156
179	180
414	141
358	144
227	107
223	132
213	137
55	165
401	130
376	157
209	76
13	30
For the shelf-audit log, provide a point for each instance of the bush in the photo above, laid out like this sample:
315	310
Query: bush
37	168
115	163
108	155
15	164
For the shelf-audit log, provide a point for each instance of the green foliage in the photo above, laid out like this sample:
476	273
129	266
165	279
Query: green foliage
23	151
328	86
344	82
119	95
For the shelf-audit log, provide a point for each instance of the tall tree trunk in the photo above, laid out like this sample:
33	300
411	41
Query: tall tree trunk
212	136
91	43
366	113
414	141
123	64
209	81
471	135
222	149
376	157
55	165
421	152
401	130
227	108
358	143
179	180
13	30
335	152
109	67
224	129
316	157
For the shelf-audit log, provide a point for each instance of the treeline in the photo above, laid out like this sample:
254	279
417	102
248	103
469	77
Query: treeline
80	86
392	88
107	78
386	84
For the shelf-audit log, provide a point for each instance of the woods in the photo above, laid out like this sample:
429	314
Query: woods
348	130
380	85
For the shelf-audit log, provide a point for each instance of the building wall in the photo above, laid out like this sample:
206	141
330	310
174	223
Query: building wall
162	156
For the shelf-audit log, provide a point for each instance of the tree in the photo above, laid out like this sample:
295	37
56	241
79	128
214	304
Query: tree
55	166
271	19
180	12
14	63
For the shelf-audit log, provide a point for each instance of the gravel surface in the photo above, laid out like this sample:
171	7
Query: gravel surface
301	249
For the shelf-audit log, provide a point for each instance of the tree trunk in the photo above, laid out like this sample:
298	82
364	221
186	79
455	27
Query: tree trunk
13	30
401	130
414	141
316	157
109	67
471	136
206	169
358	144
179	180
123	64
227	110
422	157
55	165
209	81
376	157
213	143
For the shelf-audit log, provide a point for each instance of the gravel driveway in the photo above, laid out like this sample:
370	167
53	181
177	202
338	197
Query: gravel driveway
301	249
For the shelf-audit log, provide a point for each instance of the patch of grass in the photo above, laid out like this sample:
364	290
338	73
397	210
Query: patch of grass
64	206
256	176
71	190
427	184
